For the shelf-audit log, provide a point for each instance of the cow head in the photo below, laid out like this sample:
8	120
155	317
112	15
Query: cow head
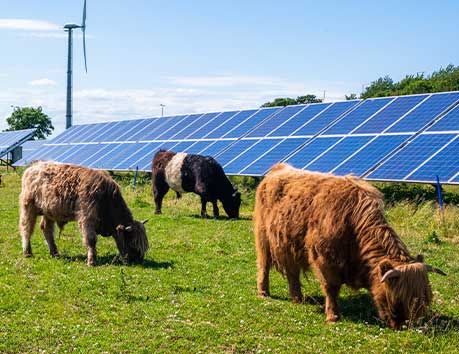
404	294
132	241
232	204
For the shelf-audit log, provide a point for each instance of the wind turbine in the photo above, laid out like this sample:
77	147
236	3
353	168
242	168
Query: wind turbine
69	28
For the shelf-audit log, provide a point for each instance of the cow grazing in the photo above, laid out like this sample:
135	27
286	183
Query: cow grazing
336	225
194	173
62	193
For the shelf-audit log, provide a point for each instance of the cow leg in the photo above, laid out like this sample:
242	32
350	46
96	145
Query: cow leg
330	284
89	240
263	263
294	284
178	195
26	225
160	190
47	226
203	207
215	209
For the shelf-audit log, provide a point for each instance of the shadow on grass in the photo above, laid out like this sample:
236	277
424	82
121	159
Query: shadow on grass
359	308
196	216
117	261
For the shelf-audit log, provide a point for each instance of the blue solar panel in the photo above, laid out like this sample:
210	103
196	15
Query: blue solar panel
179	125
146	160
234	150
198	146
183	146
213	124
195	125
310	151
67	134
275	155
300	119
449	122
390	114
338	153
275	121
357	116
131	162
10	139
411	156
445	164
426	112
371	154
230	124
214	148
155	128
251	122
252	153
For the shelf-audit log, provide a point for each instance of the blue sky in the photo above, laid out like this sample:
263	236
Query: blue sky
212	55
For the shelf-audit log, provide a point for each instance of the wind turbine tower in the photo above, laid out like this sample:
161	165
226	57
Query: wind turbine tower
69	28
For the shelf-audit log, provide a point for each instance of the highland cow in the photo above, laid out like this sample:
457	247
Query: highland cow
194	173
337	226
63	193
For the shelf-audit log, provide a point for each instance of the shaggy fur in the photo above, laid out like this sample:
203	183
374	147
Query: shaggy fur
337	226
194	173
62	193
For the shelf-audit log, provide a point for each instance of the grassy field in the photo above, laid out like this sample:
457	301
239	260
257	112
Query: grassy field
196	291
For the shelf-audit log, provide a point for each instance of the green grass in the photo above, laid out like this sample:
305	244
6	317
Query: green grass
196	291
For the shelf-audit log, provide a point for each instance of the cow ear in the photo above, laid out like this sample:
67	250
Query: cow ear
384	267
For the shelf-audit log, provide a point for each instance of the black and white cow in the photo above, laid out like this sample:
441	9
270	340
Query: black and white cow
194	173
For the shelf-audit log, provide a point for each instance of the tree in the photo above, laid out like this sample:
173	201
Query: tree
384	86
351	96
287	101
30	118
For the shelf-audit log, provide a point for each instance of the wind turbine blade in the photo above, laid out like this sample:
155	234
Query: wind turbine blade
83	25
84	49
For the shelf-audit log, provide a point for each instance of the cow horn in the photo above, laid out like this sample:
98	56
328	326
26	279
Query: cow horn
128	228
145	221
393	273
434	270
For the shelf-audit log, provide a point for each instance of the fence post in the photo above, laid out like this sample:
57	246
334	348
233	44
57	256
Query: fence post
135	176
440	200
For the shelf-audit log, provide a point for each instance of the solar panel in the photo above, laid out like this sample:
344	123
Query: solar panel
30	147
426	112
276	120
278	152
310	151
412	155
358	116
389	115
337	153
391	138
369	155
241	161
443	163
11	139
324	118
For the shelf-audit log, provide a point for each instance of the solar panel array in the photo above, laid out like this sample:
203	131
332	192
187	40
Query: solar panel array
11	139
409	138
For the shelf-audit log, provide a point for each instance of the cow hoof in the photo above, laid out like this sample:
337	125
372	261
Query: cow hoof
91	262
297	300
55	254
157	212
263	294
27	254
332	318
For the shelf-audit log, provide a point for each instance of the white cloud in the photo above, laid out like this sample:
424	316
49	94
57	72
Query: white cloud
28	25
103	104
43	82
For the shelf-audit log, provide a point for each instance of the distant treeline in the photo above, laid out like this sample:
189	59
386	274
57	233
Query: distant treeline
445	79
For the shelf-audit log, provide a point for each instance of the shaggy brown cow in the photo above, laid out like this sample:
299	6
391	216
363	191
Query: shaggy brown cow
62	193
336	225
